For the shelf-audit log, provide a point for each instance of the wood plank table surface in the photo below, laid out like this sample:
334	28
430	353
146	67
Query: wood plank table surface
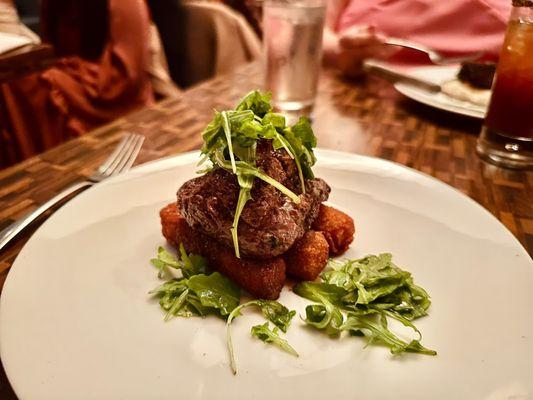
367	117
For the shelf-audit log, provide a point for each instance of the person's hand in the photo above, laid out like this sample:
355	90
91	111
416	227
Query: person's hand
357	44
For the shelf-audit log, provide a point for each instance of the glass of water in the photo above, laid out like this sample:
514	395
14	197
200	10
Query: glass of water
293	52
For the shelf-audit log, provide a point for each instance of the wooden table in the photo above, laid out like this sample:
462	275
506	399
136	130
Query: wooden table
367	117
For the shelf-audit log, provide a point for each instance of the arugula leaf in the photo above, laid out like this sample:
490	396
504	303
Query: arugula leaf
248	134
245	182
163	261
192	264
194	293
263	333
325	317
410	301
257	102
302	141
166	257
215	291
161	266
198	295
173	296
358	295
378	332
227	132
188	264
302	130
274	311
319	291
276	120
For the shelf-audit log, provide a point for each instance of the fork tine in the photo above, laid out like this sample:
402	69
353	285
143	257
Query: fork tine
113	155
124	151
129	159
134	154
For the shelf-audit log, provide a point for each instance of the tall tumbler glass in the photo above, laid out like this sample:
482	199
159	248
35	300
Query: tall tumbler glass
506	138
293	52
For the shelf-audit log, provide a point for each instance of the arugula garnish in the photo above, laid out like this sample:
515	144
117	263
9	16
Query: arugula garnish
198	293
265	334
353	296
188	264
273	311
215	291
234	134
357	296
195	292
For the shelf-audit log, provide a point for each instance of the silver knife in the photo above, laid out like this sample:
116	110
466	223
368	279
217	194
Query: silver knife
393	75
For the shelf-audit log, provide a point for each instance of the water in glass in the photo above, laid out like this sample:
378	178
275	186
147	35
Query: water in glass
293	52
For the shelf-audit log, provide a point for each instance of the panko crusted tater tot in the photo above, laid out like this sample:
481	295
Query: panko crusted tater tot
307	257
170	219
337	227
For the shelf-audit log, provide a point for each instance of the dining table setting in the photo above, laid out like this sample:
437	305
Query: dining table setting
367	117
348	215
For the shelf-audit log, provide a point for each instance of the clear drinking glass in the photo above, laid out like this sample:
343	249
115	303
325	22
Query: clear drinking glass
506	138
293	52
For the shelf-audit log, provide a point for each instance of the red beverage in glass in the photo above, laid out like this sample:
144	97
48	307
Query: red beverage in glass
507	135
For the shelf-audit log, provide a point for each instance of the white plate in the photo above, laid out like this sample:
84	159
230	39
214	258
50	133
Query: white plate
439	75
76	320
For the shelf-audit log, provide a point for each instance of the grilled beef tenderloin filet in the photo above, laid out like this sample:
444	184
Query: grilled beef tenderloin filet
270	222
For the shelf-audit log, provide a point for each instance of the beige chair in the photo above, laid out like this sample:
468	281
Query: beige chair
10	22
218	40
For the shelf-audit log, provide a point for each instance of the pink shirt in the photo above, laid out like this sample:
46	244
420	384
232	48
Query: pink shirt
448	26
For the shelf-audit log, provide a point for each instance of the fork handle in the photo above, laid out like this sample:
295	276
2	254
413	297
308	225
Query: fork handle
9	233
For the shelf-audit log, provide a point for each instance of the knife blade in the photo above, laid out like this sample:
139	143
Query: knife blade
393	75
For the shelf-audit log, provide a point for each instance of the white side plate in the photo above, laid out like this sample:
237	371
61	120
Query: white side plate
439	74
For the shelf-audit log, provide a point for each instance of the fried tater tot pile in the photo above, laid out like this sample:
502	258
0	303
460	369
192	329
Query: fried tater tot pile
332	233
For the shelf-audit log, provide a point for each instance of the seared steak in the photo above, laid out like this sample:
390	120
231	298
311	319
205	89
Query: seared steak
270	223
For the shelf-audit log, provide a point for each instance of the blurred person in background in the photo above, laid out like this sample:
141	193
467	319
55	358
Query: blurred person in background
357	29
107	59
203	39
251	10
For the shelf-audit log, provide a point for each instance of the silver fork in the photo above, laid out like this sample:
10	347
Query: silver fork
119	161
433	55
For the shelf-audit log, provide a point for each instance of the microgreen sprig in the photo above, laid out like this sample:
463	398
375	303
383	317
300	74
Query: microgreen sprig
234	134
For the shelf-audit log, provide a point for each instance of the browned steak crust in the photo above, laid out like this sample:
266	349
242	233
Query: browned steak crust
270	223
